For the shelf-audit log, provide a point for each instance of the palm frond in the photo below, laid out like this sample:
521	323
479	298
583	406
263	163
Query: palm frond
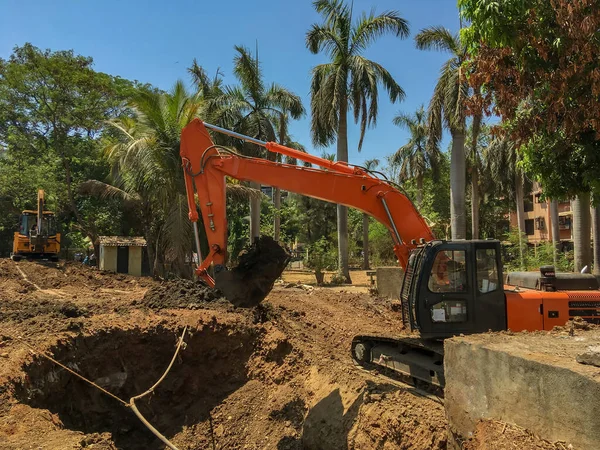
371	27
320	38
246	68
438	38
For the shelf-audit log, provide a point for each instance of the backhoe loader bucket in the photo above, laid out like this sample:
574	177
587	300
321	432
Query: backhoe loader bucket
251	281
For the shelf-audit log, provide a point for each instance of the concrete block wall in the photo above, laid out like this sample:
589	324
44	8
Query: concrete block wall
389	281
503	382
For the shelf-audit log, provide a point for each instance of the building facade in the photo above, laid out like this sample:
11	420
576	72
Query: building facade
538	222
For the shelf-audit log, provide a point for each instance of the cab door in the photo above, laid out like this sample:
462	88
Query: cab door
461	289
446	291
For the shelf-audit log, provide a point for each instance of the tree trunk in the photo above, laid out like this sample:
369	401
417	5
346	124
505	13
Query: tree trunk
457	187
596	231
342	211
419	191
254	214
520	213
366	242
582	232
277	219
555	230
475	129
474	203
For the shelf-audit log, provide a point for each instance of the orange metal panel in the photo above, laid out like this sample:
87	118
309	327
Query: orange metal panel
523	310
556	309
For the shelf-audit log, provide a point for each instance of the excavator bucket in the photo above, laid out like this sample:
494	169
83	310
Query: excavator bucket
251	281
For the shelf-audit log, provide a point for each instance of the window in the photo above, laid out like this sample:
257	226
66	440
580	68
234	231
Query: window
449	272
487	270
529	227
449	311
528	203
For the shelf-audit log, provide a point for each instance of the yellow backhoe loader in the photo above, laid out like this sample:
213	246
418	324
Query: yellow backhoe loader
37	236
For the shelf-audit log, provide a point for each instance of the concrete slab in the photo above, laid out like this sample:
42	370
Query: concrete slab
389	281
528	379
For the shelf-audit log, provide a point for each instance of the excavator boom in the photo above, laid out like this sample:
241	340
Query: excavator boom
207	165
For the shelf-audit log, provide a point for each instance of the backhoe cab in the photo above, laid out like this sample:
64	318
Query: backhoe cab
37	236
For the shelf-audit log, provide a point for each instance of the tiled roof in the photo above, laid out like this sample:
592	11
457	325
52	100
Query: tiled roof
122	241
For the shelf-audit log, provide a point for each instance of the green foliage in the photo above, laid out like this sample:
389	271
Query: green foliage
533	256
321	256
342	83
435	207
381	245
53	110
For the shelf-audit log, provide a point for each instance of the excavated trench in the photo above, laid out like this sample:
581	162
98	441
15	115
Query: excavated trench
126	363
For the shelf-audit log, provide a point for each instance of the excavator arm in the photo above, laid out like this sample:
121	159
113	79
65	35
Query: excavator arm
206	167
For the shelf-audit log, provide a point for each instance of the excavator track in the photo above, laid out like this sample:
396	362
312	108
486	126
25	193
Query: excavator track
408	359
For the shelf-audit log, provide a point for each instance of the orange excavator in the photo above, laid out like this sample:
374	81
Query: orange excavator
448	288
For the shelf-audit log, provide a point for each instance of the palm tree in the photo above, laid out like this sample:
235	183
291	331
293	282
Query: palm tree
596	238
555	229
581	231
252	108
349	81
144	154
415	157
447	108
369	164
143	151
282	123
474	169
502	160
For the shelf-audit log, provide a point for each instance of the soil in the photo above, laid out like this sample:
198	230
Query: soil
259	266
180	293
277	376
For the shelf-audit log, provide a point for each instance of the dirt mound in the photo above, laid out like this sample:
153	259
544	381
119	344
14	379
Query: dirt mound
180	293
251	281
495	435
17	311
48	275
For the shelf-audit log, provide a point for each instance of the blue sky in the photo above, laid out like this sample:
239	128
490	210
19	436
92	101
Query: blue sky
155	41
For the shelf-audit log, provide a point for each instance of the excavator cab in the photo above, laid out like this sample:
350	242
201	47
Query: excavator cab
454	287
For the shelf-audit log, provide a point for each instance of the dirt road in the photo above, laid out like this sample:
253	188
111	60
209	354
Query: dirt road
279	376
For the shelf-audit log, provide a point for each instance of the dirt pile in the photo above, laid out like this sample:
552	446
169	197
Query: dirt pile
180	293
279	376
49	275
252	279
495	435
15	310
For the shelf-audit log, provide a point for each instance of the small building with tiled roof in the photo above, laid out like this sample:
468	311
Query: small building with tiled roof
122	254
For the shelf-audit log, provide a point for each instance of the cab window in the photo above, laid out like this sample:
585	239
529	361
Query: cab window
487	270
449	272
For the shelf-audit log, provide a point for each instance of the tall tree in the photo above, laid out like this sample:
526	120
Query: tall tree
536	64
555	230
448	107
369	164
252	108
53	104
282	122
415	157
144	154
502	159
582	250
474	166
349	81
